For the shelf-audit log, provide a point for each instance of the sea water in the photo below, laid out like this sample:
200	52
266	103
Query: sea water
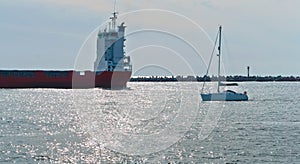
150	123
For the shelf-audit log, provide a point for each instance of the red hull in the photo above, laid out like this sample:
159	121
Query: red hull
63	79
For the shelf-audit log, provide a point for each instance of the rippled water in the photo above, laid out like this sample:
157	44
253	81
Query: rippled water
150	122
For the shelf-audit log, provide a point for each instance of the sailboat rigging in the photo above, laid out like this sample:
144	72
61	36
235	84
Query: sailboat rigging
227	95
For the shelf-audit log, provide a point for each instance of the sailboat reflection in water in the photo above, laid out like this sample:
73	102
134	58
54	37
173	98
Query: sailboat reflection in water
227	95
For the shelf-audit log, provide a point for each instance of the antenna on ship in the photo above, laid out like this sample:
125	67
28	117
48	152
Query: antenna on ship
114	17
115	6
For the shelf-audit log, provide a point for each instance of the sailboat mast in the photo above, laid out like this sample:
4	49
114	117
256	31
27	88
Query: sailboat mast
219	55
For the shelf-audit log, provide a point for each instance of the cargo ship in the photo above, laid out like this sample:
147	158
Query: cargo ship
112	68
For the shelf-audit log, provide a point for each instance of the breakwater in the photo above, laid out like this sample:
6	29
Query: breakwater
236	78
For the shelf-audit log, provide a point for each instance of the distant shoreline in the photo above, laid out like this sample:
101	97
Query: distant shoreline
236	78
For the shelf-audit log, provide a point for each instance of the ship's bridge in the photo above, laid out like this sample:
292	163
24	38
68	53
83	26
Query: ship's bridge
110	48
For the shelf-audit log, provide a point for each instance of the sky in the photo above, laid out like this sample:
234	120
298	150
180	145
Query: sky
163	37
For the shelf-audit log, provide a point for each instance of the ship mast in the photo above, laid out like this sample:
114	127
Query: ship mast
219	55
114	17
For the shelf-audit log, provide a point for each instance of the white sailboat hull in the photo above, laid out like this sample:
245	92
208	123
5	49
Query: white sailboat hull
224	96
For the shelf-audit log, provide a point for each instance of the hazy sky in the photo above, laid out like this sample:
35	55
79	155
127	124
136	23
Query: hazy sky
175	35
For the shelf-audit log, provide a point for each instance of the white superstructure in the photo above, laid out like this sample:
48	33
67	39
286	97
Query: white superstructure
110	48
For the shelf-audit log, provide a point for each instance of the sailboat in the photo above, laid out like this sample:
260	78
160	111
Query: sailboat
227	95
